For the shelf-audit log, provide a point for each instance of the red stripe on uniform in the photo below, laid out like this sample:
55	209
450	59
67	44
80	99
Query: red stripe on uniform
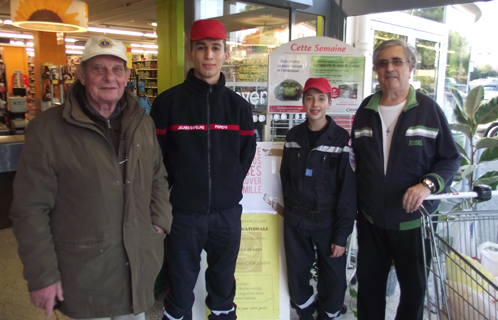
246	132
161	131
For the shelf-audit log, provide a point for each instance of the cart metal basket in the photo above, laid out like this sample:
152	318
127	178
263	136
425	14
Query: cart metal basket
458	288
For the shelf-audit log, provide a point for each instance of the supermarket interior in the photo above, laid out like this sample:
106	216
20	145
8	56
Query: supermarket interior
42	41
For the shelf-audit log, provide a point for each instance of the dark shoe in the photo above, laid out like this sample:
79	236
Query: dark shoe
323	316
306	318
344	309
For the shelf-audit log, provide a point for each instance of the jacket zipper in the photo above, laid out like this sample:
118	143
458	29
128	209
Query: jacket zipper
209	148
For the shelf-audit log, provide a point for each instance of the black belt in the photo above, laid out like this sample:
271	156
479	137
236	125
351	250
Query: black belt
310	215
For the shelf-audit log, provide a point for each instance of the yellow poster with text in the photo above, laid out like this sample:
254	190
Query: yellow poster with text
257	270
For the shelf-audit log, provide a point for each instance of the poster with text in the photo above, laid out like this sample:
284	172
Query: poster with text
293	63
258	268
261	191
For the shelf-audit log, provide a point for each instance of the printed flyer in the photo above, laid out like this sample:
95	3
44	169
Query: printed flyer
293	63
261	190
257	271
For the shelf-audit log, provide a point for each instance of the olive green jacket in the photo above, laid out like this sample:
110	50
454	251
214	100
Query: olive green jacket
80	218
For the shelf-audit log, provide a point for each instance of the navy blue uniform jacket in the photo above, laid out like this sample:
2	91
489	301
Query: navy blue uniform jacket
320	177
422	145
206	134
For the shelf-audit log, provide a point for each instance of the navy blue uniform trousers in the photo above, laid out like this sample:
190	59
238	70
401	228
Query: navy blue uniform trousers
218	233
377	249
300	255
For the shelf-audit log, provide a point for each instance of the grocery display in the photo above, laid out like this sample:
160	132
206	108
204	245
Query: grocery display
147	73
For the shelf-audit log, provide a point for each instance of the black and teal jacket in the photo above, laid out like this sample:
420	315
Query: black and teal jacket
422	146
320	177
206	134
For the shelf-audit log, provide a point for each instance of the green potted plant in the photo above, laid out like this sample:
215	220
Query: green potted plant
469	114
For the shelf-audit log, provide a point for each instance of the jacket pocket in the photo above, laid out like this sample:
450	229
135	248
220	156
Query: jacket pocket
83	264
140	173
151	257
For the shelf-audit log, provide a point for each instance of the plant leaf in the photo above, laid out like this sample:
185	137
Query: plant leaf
463	153
458	206
461	127
490	178
458	112
487	112
489	154
467	170
353	293
457	96
473	101
487	143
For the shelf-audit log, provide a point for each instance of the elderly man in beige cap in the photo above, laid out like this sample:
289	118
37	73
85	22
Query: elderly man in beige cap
91	201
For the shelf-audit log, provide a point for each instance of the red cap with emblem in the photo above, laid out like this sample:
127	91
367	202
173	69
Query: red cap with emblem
202	29
321	84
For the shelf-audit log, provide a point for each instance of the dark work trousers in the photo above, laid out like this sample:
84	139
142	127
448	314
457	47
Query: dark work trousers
300	255
377	249
218	233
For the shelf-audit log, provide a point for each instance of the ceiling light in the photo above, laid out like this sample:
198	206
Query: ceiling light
75	47
30	44
15	35
150	35
31	54
135	45
7	21
70	40
116	31
154	24
51	16
74	51
137	51
150	46
30	50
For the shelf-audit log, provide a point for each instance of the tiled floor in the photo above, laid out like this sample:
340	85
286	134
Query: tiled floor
14	299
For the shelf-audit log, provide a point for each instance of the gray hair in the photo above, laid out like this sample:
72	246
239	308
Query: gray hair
410	53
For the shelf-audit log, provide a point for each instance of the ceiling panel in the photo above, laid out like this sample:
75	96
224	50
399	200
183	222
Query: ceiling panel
362	7
138	14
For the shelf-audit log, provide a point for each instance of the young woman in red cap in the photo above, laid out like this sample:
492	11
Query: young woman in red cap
319	188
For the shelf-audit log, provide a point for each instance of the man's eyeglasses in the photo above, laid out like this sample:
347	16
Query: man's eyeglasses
394	62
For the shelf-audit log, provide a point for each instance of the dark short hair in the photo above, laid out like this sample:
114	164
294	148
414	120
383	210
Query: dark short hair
192	44
327	93
410	53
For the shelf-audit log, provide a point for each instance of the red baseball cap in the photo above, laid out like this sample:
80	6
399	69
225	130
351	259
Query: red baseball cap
321	84
202	29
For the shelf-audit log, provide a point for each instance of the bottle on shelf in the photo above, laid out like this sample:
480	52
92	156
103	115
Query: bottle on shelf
47	95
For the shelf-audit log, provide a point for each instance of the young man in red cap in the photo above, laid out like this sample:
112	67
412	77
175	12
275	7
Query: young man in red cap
206	134
319	187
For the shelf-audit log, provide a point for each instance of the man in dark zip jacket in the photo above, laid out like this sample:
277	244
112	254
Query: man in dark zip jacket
206	134
404	152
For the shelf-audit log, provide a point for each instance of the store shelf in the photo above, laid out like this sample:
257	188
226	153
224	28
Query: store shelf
147	73
246	84
245	72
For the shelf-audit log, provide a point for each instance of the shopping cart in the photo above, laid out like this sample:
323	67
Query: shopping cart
458	288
